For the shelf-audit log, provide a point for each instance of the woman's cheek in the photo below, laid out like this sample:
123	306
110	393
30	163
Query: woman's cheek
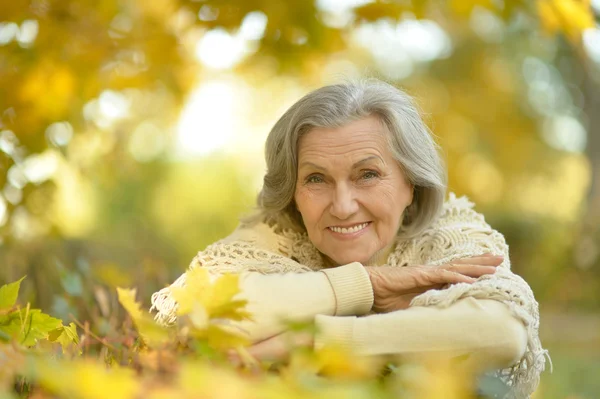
308	204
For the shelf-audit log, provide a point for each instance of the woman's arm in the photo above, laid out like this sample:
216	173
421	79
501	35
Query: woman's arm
349	290
274	299
277	288
483	329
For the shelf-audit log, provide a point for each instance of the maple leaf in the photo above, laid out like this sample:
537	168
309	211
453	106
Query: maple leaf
196	289
206	308
151	333
217	298
66	336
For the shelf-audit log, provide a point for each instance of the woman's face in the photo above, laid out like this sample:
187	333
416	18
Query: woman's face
350	191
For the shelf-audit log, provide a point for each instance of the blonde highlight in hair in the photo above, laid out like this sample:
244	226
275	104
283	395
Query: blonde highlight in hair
333	106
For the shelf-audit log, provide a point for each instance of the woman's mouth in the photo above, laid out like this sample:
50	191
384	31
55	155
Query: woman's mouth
349	229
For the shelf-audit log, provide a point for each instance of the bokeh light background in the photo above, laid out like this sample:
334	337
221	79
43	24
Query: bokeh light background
132	134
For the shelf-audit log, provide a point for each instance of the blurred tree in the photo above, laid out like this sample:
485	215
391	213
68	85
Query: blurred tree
89	92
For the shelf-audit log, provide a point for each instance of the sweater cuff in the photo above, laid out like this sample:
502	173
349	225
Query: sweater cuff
336	331
352	289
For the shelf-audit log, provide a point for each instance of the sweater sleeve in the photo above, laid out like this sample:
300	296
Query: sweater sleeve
278	287
275	299
482	329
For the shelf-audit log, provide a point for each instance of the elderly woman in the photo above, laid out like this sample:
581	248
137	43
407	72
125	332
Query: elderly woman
352	232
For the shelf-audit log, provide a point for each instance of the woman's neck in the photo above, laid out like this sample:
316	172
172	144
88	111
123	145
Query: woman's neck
379	258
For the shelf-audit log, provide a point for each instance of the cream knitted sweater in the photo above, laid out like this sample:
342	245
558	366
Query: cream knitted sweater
283	277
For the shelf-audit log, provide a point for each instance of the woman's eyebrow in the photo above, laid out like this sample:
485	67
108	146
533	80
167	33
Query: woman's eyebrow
354	166
313	165
357	164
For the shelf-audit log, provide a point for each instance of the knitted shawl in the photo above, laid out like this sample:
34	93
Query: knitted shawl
459	232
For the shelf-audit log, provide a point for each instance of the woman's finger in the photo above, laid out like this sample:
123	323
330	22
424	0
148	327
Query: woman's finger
443	276
273	349
470	270
481	260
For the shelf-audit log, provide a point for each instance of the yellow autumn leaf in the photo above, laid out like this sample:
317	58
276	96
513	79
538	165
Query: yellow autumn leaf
223	290
127	300
223	336
222	303
217	298
85	379
337	362
435	377
197	286
149	330
199	380
66	336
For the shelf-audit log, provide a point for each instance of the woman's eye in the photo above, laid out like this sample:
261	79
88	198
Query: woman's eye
314	179
370	174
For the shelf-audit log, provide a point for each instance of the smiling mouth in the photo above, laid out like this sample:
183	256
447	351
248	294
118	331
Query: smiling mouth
349	230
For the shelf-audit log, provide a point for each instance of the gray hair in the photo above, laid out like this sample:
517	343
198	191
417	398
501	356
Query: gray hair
333	106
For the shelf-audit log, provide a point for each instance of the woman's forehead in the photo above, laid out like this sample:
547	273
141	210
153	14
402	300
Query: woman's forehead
351	142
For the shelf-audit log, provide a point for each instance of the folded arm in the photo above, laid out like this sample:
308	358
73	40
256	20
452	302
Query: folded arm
275	299
482	329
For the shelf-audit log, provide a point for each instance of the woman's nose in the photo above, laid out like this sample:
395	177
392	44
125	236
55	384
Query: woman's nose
344	202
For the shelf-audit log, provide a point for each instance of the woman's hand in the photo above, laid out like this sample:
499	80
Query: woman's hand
395	287
274	349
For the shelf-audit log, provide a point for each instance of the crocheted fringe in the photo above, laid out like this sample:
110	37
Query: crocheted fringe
214	259
165	305
458	203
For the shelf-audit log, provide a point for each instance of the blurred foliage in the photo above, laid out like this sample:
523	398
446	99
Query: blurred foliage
44	359
95	192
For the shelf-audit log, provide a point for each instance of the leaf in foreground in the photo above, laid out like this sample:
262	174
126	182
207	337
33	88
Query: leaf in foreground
66	336
149	330
9	294
28	326
85	379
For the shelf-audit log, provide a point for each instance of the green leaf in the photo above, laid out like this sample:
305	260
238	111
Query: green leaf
10	324
38	326
28	325
9	294
4	336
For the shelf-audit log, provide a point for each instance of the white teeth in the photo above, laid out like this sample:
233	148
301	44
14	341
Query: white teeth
349	230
